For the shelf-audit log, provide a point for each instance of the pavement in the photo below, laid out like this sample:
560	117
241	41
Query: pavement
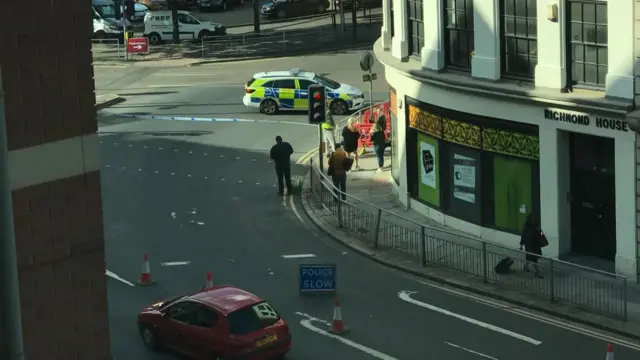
203	194
216	90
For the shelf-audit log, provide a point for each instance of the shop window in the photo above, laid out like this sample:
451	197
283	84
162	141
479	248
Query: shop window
463	174
458	33
519	38
427	158
415	22
512	192
588	42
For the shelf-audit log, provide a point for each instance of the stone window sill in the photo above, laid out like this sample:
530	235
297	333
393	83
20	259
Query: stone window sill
588	100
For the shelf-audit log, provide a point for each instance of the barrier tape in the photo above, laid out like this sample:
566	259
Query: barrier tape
208	119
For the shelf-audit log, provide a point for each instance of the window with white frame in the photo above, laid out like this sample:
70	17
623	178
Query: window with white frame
415	24
587	42
458	33
519	38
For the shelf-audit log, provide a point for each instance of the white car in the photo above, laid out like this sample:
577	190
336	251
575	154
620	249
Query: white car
288	90
158	27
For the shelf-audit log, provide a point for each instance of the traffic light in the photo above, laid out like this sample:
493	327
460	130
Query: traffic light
317	104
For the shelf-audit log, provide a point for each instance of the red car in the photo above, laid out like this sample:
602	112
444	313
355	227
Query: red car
219	323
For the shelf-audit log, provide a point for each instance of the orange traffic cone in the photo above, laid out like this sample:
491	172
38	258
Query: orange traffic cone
337	326
145	276
610	352
209	281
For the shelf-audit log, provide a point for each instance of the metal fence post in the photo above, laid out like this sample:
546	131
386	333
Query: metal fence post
202	47
423	245
552	289
284	41
485	271
311	175
339	211
376	235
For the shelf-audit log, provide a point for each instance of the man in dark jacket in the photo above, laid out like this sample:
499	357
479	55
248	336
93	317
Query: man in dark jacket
281	156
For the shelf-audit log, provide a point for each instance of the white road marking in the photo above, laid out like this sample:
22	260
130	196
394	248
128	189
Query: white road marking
470	351
298	256
173	215
182	74
367	350
406	296
116	277
313	318
295	211
175	263
200	223
168	86
563	324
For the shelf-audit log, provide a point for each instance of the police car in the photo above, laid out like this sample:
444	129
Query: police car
288	90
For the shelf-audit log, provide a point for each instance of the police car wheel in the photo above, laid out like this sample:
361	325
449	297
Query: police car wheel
339	107
269	107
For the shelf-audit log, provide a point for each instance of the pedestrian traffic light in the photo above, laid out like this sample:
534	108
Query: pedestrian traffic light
317	104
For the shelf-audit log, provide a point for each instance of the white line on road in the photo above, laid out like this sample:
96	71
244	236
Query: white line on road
470	351
369	351
406	296
168	86
298	256
563	324
313	318
175	263
116	277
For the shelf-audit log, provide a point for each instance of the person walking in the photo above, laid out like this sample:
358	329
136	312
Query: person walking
350	137
281	155
327	132
338	171
533	240
379	144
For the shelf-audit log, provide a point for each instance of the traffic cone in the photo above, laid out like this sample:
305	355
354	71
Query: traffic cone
337	326
145	276
610	352
209	281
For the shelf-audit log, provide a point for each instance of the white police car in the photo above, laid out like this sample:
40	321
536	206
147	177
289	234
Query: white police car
288	90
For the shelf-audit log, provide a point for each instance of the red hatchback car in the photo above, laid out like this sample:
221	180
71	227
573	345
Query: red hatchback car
219	323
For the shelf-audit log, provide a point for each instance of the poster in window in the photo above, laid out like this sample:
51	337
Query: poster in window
464	178
428	164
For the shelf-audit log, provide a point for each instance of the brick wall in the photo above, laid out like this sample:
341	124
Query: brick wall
47	77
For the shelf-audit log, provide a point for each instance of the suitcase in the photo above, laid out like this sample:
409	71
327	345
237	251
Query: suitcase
504	266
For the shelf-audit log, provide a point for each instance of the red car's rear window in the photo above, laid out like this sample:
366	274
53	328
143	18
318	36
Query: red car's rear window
252	318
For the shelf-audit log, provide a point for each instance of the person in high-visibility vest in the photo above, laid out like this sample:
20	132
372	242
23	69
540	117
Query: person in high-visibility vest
328	134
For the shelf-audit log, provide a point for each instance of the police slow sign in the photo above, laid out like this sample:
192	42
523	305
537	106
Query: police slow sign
317	278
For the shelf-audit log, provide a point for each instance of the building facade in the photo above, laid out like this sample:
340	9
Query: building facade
501	108
48	107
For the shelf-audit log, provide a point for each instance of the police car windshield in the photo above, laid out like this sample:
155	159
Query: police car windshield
327	82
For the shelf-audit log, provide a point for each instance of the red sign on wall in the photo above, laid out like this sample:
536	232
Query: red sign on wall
138	45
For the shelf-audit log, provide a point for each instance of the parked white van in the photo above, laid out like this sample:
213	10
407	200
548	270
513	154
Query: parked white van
158	26
104	24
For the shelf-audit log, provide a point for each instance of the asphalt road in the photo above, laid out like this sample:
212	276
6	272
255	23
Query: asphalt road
205	193
216	90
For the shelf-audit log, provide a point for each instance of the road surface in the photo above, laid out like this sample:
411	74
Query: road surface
216	90
203	194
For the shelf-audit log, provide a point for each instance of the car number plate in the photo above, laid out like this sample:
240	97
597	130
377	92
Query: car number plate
267	340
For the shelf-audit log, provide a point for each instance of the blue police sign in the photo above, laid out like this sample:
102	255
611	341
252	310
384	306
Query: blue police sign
317	278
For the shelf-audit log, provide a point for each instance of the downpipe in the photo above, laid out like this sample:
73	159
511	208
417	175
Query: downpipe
12	344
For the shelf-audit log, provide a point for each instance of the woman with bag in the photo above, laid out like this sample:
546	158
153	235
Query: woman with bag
533	240
350	137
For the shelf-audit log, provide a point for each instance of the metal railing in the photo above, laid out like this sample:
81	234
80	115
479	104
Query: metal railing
278	42
358	116
579	286
107	49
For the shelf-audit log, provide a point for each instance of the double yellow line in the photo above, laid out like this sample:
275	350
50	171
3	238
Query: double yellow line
306	156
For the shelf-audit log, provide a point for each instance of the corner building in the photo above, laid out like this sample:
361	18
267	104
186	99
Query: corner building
503	107
49	110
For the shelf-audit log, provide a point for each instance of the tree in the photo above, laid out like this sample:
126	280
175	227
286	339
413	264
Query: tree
173	5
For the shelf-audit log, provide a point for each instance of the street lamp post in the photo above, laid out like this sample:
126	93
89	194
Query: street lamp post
12	346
